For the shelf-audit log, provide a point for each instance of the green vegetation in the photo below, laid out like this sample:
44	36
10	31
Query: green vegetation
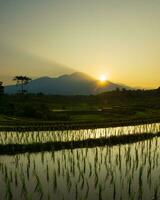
1	88
107	107
108	161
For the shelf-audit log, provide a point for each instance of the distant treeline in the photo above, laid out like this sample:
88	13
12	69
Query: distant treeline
133	93
1	88
54	107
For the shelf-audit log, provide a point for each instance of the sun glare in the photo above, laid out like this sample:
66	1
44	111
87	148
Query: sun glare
103	78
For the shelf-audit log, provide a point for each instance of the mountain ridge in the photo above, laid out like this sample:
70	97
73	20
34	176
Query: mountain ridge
77	83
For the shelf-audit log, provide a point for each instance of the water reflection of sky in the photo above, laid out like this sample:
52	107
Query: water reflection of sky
74	135
120	172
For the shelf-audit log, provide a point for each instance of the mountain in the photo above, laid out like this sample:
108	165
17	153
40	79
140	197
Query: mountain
74	84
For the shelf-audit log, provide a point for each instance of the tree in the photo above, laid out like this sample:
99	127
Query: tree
22	81
1	88
117	89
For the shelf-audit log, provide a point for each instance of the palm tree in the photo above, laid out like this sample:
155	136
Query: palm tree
22	81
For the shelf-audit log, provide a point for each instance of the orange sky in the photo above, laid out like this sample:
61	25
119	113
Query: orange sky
118	38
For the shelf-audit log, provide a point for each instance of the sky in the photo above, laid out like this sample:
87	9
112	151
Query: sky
116	38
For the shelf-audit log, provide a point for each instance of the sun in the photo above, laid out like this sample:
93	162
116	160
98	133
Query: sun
103	78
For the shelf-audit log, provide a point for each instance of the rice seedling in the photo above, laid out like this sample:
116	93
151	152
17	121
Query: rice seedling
82	165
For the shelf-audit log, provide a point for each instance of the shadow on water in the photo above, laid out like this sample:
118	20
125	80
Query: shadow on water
11	149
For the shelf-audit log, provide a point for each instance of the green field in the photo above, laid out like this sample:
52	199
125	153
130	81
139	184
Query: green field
110	106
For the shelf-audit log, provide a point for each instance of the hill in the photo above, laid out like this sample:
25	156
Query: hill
74	84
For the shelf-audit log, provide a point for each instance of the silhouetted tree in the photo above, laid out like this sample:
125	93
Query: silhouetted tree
117	89
1	88
22	81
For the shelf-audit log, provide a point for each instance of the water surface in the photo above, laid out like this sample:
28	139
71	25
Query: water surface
124	172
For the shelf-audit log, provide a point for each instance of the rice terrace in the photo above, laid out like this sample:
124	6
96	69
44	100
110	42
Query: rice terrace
120	163
79	100
87	147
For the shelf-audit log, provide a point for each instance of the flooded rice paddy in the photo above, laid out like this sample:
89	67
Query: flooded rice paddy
121	172
74	135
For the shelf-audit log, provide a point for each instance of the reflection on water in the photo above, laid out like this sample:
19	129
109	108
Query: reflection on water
74	135
120	172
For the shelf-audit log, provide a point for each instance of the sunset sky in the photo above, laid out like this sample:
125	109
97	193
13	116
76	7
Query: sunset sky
116	38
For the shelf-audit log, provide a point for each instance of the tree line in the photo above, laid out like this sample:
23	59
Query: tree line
20	80
1	88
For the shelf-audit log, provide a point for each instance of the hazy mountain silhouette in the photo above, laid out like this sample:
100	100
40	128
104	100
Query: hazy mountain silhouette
74	84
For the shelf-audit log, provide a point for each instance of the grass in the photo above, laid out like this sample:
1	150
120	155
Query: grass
88	117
